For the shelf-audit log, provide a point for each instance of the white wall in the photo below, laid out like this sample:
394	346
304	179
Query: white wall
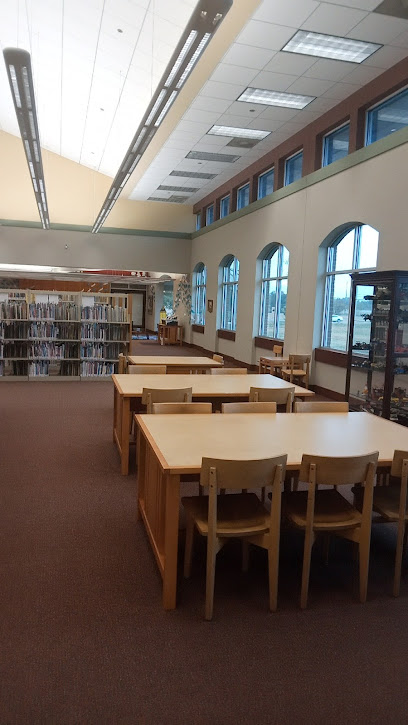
373	192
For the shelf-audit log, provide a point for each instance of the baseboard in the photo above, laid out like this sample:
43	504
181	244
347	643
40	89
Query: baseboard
331	394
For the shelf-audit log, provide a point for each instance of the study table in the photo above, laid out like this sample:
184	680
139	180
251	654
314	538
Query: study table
176	363
128	391
270	364
172	445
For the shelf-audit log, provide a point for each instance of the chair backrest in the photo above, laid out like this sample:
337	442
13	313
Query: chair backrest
280	396
277	350
147	369
336	471
218	358
399	466
122	363
163	395
299	362
248	407
241	474
321	406
229	371
188	408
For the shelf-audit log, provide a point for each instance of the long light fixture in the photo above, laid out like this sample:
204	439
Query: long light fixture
330	46
234	132
202	25
275	98
18	66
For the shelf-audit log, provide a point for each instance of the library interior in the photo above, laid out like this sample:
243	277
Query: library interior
203	351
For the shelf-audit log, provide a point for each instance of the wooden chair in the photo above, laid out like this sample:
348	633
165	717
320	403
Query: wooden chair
297	370
277	350
280	396
122	363
248	407
242	515
323	406
229	371
218	358
147	369
327	511
189	408
390	502
161	395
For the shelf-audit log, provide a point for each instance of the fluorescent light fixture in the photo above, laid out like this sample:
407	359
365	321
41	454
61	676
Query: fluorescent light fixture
275	98
31	268
18	66
330	46
210	156
206	18
238	132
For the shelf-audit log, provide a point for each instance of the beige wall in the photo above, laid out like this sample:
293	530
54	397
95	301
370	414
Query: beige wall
373	192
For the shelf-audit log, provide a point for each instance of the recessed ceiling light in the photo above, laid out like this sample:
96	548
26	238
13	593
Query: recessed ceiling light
119	30
330	46
275	98
237	132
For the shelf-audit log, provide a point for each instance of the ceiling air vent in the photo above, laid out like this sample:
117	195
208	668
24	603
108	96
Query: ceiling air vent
192	175
186	189
396	8
174	199
243	143
208	156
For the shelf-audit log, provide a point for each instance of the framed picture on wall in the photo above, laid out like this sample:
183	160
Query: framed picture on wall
150	304
210	305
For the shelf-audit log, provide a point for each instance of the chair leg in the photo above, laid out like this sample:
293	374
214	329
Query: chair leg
307	553
273	572
398	558
364	560
245	556
210	579
188	553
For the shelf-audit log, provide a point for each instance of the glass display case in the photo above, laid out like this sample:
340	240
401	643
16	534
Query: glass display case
377	365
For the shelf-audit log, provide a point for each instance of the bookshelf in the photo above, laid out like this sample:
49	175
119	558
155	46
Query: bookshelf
62	335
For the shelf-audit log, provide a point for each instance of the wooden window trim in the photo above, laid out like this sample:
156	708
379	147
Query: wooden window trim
331	357
267	343
226	334
198	328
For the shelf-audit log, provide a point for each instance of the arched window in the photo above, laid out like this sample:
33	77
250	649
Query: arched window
274	290
199	294
354	250
229	292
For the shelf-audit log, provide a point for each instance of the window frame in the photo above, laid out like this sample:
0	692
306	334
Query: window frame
383	102
264	173
290	158
209	208
198	221
199	296
326	136
227	196
243	186
225	285
330	278
279	278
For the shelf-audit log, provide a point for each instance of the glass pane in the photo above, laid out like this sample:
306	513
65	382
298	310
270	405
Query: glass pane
198	222
362	320
282	308
336	145
368	247
265	183
224	206
243	196
268	309
338	301
399	400
293	168
209	215
270	266
229	298
390	116
285	262
343	253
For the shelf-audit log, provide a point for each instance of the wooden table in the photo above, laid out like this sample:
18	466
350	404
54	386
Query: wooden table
176	363
270	364
170	334
172	445
128	389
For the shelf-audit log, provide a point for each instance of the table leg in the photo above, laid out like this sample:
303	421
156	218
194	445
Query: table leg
115	411
171	535
124	444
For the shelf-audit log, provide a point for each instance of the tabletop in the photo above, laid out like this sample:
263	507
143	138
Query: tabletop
169	360
212	386
180	441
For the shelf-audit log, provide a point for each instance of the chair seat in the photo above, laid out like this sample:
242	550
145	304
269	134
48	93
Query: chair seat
386	502
295	373
242	511
332	510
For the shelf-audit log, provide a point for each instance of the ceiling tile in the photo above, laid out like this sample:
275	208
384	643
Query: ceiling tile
401	40
247	110
340	91
331	70
248	57
360	4
386	57
272	81
379	28
194	114
226	91
363	74
309	86
204	103
289	12
292	63
225	73
265	124
274	113
265	35
333	19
